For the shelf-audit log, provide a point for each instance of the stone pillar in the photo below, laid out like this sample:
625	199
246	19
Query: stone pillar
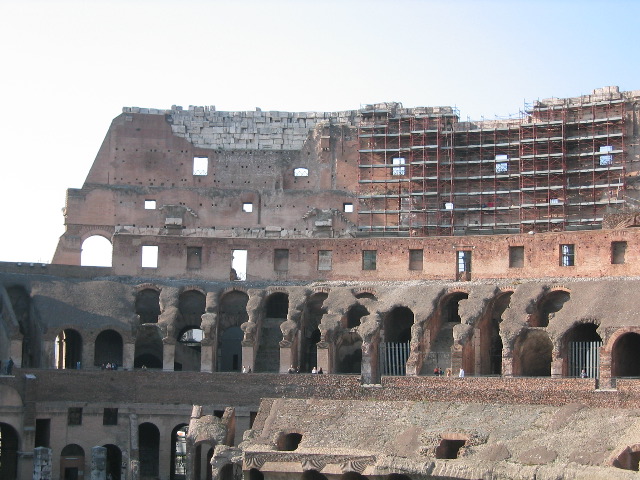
324	355
207	358
477	352
42	463
556	364
88	355
605	380
49	353
134	450
98	463
168	356
248	357
128	356
369	370
507	362
286	356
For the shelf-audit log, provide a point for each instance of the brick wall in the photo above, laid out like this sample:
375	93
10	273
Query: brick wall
246	390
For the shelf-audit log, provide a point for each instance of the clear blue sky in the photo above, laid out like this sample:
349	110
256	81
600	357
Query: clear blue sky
68	67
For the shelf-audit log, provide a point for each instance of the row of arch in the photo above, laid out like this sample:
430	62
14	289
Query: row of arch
74	459
478	350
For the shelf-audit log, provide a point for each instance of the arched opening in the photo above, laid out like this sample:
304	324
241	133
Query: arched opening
148	350
72	462
108	348
349	353
532	354
68	349
149	448
354	315
441	332
8	452
232	314
490	348
277	305
178	466
97	251
310	335
188	350
268	355
209	473
226	473
548	305
255	474
625	356
148	305
21	305
449	449
230	350
628	459
394	351
114	462
367	295
582	351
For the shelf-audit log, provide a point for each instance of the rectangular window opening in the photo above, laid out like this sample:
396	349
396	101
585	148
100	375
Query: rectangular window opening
300	172
74	416
43	432
416	259
369	259
238	265
247	207
149	204
400	170
347	207
567	255
618	252
110	416
200	166
149	256
516	257
324	260
194	258
281	260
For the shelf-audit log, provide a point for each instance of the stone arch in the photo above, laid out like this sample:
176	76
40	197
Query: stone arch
71	461
189	349
310	331
232	313
625	355
178	449
114	461
149	448
580	350
148	348
547	305
349	352
96	250
440	326
276	307
108	348
488	358
397	324
9	447
191	305
366	293
354	315
68	349
532	354
147	304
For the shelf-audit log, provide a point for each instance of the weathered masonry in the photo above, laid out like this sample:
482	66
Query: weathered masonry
178	180
377	246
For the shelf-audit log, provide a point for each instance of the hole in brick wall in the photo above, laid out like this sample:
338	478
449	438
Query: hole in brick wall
449	449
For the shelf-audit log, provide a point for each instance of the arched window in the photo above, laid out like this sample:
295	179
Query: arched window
108	348
68	349
148	305
97	251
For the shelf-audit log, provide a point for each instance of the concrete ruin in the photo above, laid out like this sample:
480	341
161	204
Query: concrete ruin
379	245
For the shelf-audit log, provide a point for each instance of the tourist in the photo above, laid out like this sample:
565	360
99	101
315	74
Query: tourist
461	374
314	370
244	369
291	369
583	373
320	372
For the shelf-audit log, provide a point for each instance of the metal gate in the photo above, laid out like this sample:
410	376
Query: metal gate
584	355
393	358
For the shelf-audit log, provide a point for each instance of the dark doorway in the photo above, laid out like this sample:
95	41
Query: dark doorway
148	305
625	356
149	446
108	348
8	452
